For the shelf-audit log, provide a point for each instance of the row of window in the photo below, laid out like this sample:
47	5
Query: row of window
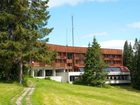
70	55
39	73
112	56
119	77
65	61
113	62
82	61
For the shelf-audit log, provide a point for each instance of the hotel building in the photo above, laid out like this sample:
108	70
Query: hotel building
69	64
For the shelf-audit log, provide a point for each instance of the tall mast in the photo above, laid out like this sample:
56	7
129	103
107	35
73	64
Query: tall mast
72	32
73	62
66	37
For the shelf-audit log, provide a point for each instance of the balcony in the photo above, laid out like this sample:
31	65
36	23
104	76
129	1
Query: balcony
69	67
60	65
69	60
117	58
79	65
115	64
112	58
38	64
61	57
76	57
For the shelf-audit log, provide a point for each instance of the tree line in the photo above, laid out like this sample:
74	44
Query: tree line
22	24
94	74
131	59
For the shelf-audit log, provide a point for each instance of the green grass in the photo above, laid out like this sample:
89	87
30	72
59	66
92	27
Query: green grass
9	93
52	93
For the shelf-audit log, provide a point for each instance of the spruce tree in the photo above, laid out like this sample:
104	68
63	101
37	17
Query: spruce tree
135	72
22	24
125	53
138	68
94	74
130	57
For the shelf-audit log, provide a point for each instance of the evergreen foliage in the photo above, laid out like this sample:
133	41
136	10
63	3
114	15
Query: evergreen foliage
127	55
131	59
22	24
135	72
94	74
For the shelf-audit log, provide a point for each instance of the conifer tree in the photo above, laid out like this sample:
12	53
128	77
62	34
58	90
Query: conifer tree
22	24
130	57
94	74
135	72
127	55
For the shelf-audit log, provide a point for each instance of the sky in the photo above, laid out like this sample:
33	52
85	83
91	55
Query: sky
112	22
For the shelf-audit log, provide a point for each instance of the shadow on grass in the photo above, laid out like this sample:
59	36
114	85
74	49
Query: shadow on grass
9	82
3	81
127	87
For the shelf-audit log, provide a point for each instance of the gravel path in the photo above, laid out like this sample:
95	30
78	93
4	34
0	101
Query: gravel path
27	92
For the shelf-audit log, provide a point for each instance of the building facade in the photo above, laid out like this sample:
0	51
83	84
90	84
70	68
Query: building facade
69	62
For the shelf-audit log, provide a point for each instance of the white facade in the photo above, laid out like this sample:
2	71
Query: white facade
112	77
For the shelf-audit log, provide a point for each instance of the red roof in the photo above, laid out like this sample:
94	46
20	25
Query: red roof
60	48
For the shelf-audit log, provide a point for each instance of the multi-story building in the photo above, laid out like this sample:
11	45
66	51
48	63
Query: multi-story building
69	62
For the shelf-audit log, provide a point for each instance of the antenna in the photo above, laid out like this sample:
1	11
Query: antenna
72	31
66	37
73	61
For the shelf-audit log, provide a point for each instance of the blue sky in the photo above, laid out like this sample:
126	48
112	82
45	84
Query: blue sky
111	21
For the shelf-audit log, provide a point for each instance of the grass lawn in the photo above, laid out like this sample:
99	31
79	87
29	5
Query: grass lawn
52	93
8	93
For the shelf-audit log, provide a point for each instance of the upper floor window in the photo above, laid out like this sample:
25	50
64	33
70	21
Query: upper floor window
69	55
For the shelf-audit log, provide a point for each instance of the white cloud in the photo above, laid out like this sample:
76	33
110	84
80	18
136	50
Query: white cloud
103	0
56	3
116	44
135	25
100	33
95	34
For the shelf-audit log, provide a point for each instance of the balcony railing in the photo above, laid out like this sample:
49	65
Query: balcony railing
69	60
60	64
38	64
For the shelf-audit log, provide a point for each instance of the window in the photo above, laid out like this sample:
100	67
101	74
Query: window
81	69
49	72
38	73
69	55
112	69
72	78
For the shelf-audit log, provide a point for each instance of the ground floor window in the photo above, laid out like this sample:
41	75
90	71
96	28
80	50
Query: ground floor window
72	78
118	77
49	72
38	73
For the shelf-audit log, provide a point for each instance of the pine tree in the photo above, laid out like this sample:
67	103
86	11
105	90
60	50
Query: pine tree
22	24
135	72
130	57
125	53
138	68
94	64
